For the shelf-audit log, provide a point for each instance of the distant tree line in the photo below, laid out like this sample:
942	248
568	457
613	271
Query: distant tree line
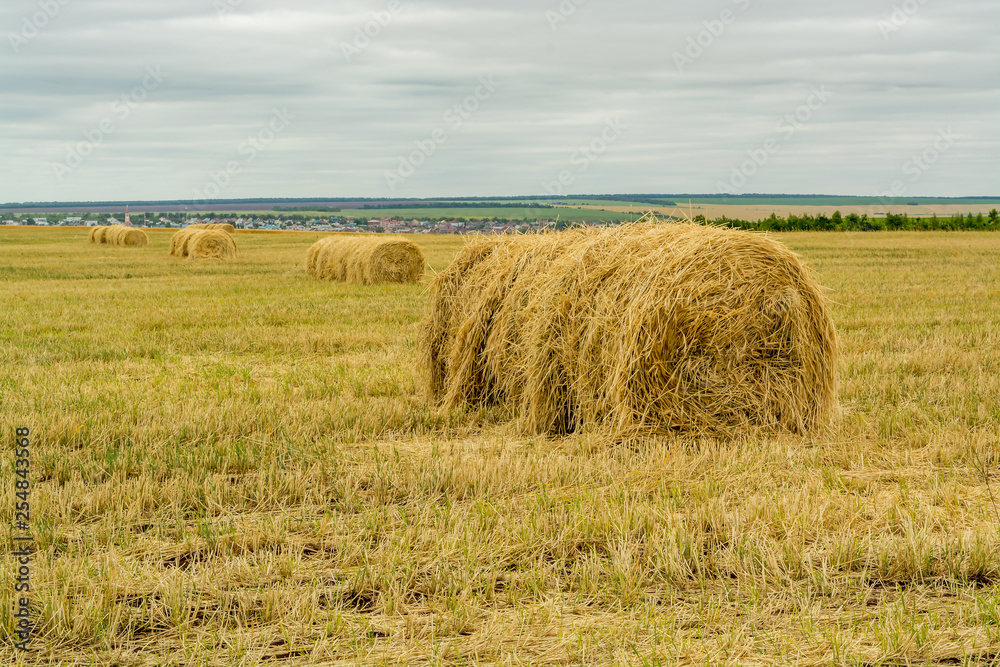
454	204
318	209
865	223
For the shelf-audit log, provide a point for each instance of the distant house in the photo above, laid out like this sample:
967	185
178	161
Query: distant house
73	221
41	221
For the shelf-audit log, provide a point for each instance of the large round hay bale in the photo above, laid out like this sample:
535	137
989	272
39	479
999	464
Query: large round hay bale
101	234
210	244
187	240
175	242
92	237
178	241
312	256
366	260
650	326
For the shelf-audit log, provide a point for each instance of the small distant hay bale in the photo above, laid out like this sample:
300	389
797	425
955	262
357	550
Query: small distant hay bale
93	234
180	243
100	235
366	260
121	235
656	327
209	244
134	237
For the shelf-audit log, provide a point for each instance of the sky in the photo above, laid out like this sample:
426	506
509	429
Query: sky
194	99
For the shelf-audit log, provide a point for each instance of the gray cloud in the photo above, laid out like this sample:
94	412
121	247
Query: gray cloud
562	75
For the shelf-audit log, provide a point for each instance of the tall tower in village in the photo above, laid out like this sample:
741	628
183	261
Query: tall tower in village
128	222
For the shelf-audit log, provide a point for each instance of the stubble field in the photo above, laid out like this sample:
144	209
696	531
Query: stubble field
234	464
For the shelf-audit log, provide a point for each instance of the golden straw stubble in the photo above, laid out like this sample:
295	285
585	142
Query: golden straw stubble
646	326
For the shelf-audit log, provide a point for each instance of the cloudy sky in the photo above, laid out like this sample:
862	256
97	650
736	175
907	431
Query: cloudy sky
115	100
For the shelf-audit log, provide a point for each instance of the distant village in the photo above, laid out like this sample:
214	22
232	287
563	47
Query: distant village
299	223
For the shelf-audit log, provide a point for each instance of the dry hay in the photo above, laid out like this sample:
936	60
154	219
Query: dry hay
179	240
180	243
100	235
657	327
312	256
93	234
111	234
125	236
366	260
209	244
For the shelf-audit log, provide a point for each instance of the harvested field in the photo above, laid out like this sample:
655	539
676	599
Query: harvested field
365	260
234	464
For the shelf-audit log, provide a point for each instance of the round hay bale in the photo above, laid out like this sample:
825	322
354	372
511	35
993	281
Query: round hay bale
210	244
101	235
366	260
92	237
121	235
187	240
662	327
130	236
174	242
312	256
179	241
111	234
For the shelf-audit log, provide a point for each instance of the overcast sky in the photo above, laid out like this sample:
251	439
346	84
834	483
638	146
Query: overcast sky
115	100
